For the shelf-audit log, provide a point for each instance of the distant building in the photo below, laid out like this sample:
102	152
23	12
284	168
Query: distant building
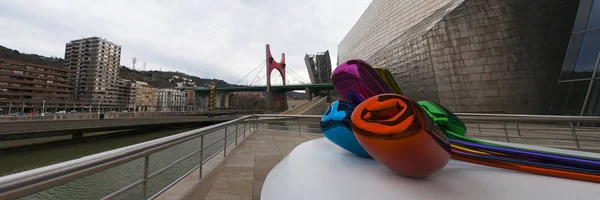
124	92
132	96
318	67
95	65
182	82
29	87
171	100
145	98
191	98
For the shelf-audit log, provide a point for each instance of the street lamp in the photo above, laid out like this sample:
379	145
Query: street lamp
99	102
43	107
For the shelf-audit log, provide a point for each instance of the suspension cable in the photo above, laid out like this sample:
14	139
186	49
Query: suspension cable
257	74
257	81
259	65
293	73
298	78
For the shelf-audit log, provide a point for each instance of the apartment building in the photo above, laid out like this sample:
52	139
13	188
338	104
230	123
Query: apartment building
28	87
132	96
171	100
94	63
124	92
144	96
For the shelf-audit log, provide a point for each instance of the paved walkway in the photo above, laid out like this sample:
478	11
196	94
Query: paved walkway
299	109
243	171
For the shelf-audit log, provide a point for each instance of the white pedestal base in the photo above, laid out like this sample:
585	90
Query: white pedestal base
319	169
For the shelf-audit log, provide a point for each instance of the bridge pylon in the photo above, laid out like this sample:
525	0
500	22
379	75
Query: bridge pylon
275	101
212	97
274	65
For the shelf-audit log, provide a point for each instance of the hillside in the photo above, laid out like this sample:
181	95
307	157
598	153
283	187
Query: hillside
32	58
156	78
161	79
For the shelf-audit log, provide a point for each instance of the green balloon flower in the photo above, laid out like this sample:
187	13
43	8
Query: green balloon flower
446	120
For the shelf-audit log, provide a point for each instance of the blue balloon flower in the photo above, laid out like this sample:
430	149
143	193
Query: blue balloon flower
336	127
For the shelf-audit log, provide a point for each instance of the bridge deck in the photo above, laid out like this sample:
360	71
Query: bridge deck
242	173
275	88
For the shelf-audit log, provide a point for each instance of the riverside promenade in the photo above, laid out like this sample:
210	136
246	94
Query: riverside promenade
242	173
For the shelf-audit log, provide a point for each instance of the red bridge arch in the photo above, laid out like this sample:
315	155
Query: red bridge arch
272	65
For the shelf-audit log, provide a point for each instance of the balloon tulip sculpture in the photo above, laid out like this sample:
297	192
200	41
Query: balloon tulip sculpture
398	133
416	139
355	81
336	127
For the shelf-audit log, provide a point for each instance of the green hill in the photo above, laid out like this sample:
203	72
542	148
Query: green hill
32	58
156	78
161	79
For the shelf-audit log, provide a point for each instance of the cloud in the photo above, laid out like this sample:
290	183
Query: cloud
208	38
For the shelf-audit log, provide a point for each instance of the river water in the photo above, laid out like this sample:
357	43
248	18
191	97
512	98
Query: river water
103	183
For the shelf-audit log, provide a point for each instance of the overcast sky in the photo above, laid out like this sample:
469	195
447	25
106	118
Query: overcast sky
222	39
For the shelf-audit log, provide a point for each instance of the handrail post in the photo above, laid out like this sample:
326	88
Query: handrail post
145	183
225	147
506	132
518	129
244	129
299	128
574	134
201	155
236	133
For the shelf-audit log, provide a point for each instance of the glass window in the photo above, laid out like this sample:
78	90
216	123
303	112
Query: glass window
575	97
582	15
571	56
594	15
558	101
587	55
593	106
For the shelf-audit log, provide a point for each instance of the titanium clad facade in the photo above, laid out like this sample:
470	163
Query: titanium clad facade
494	56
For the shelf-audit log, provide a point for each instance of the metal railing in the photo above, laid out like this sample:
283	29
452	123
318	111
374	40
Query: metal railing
110	115
206	143
569	132
227	133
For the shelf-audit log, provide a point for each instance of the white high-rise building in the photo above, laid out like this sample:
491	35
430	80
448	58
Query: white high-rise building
171	100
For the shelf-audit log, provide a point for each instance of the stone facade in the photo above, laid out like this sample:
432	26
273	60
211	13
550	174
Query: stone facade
146	97
493	56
